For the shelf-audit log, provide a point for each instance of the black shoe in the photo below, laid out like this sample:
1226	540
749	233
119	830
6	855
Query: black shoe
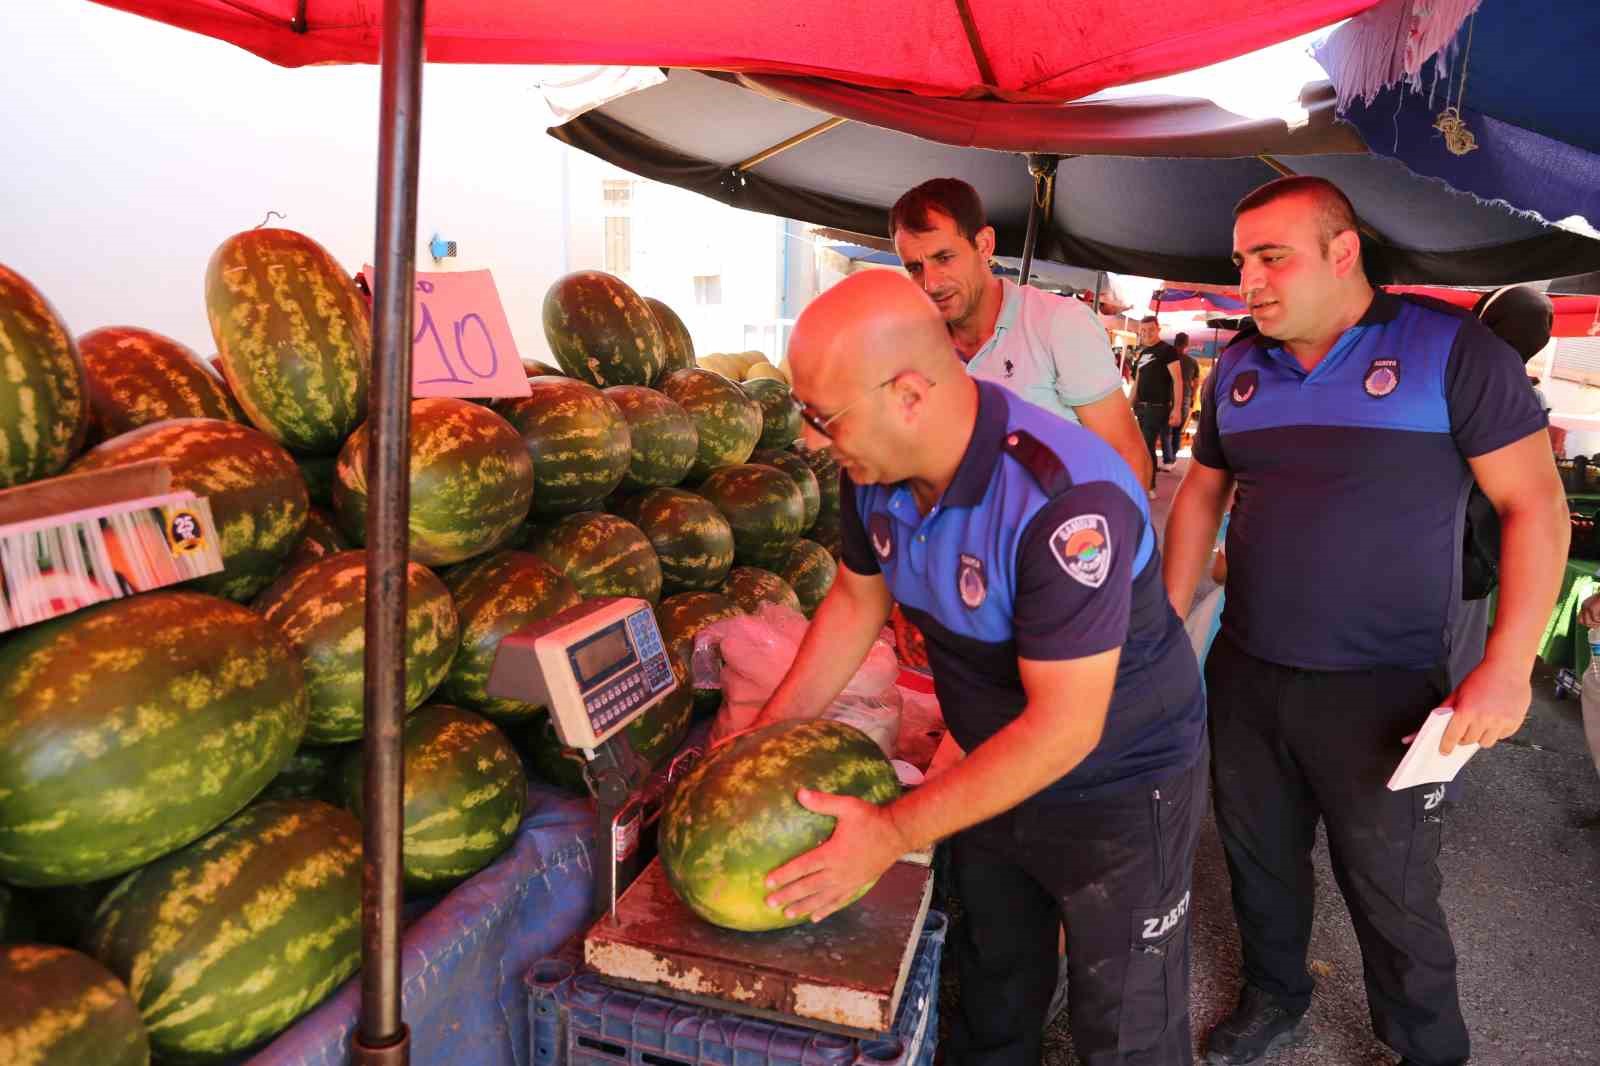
1257	1027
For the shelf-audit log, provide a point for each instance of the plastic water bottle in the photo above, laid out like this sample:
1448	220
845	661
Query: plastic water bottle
1591	697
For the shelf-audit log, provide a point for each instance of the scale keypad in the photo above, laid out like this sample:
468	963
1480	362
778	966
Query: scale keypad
652	675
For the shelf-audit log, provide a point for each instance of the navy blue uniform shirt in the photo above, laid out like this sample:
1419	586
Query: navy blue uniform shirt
1041	548
1344	550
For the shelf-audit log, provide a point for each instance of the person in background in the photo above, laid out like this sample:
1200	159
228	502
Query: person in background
1050	350
1354	424
1191	373
1157	387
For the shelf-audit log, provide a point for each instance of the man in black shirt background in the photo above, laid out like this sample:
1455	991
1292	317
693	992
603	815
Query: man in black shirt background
1157	382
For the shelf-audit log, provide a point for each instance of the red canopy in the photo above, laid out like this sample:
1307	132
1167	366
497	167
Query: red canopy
1574	314
1045	51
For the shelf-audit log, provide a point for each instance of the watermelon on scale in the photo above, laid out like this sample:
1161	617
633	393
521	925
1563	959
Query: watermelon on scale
728	421
471	481
62	1008
804	480
603	332
257	496
137	376
680	346
577	438
464	795
764	508
603	555
692	541
130	728
229	940
321	609
294	336
495	596
44	397
733	819
664	439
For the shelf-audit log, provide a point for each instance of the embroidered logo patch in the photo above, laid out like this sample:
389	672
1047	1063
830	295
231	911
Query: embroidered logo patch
1244	387
1383	377
970	582
882	536
1082	546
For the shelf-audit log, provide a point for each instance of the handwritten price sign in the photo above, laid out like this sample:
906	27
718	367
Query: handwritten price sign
462	343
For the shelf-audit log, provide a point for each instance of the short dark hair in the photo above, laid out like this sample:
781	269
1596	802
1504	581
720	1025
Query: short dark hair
1149	318
1180	340
951	197
1335	212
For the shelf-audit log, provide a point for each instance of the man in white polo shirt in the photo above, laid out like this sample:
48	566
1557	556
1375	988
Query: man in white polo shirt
1050	350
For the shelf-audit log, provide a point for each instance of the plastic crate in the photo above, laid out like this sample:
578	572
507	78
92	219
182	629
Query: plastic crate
576	1019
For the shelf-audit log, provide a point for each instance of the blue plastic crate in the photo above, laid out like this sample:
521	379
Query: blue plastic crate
576	1019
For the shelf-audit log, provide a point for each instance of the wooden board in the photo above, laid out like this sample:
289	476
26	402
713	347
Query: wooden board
844	974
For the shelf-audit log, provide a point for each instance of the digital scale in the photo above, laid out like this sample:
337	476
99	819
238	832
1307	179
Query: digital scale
597	667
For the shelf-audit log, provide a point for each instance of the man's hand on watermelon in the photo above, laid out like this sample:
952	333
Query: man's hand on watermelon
865	842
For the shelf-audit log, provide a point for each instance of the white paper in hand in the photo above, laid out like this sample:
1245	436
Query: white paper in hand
1422	764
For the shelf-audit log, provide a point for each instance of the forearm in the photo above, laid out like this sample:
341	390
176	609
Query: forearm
835	645
1191	533
1533	551
1137	456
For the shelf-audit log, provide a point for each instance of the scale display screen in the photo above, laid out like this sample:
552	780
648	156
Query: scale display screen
601	654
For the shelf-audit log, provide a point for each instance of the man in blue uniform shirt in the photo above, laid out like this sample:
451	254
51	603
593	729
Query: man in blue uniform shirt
1353	426
1021	546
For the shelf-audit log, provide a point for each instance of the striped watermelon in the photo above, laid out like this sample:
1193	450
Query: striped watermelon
258	498
664	439
465	792
44	399
810	571
826	468
603	555
495	596
780	412
137	376
693	542
734	818
226	942
321	609
763	506
130	728
826	533
680	346
471	481
751	586
321	539
310	773
600	330
804	480
728	421
578	441
534	368
62	1008
294	337
550	761
680	619
318	470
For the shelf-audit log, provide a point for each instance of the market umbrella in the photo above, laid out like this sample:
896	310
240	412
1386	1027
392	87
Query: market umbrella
1141	186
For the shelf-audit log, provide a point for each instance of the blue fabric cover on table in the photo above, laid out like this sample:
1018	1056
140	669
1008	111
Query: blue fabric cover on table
464	957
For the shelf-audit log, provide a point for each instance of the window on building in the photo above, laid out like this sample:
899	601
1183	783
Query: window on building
619	244
616	192
708	289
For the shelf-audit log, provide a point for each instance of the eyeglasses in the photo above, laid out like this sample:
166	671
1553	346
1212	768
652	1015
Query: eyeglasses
817	421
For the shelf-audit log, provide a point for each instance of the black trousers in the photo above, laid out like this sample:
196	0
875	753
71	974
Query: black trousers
1152	418
1291	746
1117	872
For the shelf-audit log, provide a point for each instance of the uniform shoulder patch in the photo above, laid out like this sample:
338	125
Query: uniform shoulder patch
1244	387
1082	546
882	533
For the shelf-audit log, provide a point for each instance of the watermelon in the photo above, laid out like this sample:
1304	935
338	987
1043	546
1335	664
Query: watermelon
44	397
603	555
257	496
728	421
804	480
764	508
600	330
780	412
130	728
318	470
293	333
495	596
310	773
578	440
471	481
810	570
693	542
826	532
137	376
733	819
534	368
664	440
464	795
549	761
680	619
321	539
321	609
225	943
62	1008
680	346
826	469
751	586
